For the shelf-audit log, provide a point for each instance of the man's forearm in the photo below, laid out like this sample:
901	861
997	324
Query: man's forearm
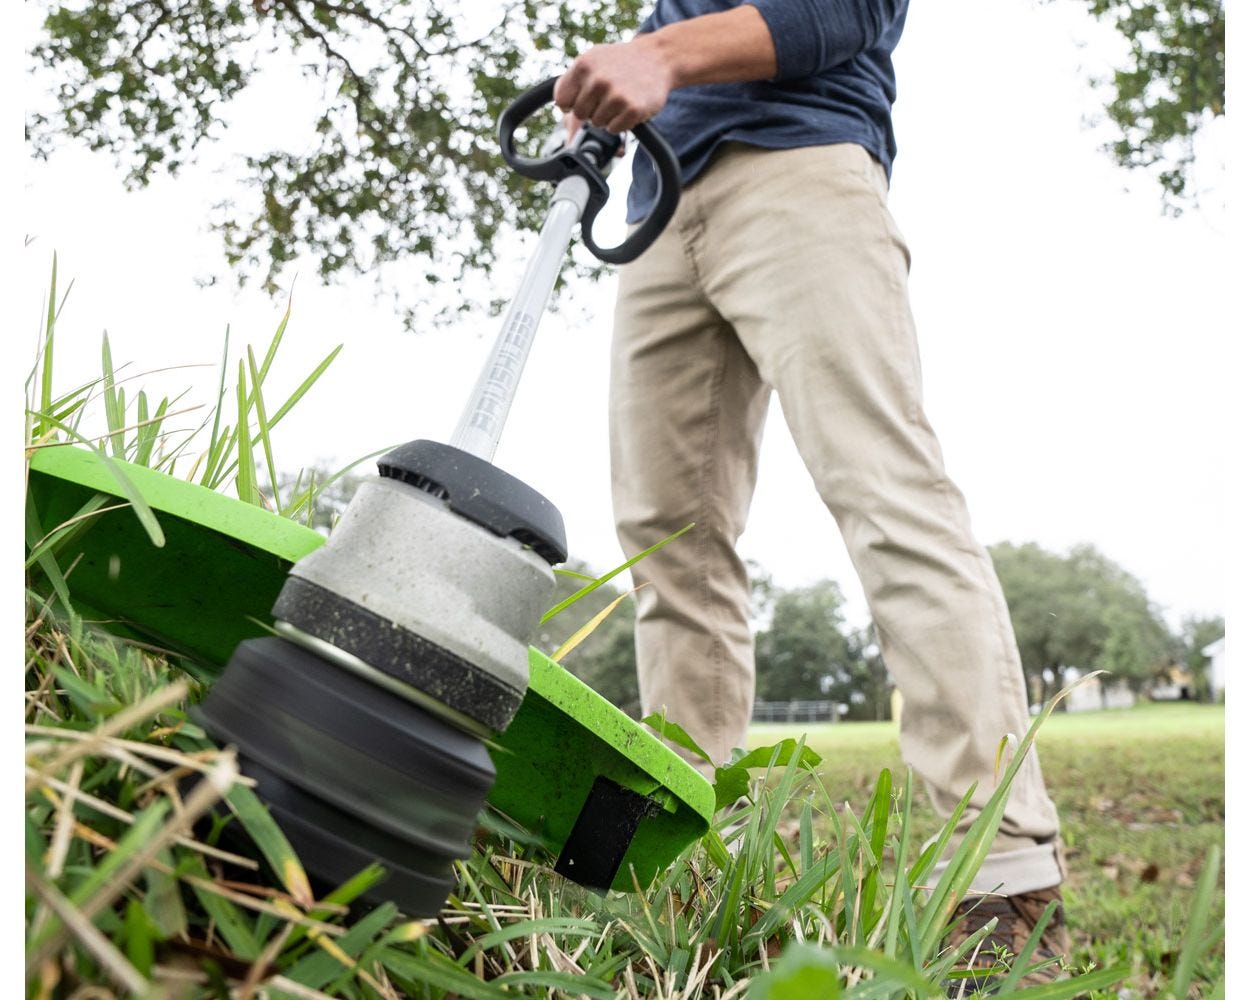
729	47
618	86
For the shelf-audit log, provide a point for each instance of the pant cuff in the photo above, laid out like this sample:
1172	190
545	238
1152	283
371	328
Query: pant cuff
1011	872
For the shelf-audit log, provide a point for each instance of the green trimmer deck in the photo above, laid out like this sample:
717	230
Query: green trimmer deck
603	794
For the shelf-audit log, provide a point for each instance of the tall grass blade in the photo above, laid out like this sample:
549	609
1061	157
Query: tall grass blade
1196	929
67	530
229	920
319	968
271	842
1077	986
114	413
580	636
45	385
262	425
304	386
34	535
600	581
214	441
245	478
131	492
274	341
1022	961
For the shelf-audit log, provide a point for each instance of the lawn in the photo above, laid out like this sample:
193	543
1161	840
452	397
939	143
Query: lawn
125	887
1141	796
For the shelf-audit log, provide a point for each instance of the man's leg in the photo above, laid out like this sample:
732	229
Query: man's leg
686	418
802	257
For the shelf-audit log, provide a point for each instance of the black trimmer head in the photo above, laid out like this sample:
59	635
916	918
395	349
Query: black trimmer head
352	773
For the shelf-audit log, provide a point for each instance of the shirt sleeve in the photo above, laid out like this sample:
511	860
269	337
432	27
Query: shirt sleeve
812	35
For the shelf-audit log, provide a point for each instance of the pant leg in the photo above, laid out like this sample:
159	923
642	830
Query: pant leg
801	256
687	412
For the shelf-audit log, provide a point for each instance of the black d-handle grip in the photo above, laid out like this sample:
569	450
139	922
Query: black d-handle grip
558	166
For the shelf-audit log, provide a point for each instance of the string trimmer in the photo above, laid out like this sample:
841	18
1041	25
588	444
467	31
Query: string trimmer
393	690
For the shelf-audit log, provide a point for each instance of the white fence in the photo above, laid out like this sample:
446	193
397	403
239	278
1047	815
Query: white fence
797	711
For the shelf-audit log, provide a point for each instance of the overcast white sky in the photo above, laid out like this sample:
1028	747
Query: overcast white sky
1074	341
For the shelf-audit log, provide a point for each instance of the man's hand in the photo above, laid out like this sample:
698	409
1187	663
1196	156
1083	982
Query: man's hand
618	86
615	86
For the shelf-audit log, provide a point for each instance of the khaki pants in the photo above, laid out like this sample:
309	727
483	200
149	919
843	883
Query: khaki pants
784	270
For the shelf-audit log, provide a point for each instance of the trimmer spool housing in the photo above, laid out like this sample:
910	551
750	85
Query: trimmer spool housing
401	645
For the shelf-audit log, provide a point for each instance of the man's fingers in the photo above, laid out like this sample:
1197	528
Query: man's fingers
617	115
587	106
567	86
621	124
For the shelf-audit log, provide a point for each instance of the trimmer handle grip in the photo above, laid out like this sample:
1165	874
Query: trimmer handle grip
563	164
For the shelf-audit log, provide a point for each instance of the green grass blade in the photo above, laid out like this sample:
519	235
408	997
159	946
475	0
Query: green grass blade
215	448
1022	961
115	418
564	983
145	826
229	920
428	969
274	341
964	864
45	381
902	885
271	842
34	535
1077	986
600	581
579	926
806	843
131	492
68	529
163	898
304	386
245	478
320	967
262	425
1200	914
674	733
142	427
574	575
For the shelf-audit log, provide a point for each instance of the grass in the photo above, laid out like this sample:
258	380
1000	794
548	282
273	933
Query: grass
1141	796
152	869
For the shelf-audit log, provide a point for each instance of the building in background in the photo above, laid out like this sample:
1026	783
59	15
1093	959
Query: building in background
1215	653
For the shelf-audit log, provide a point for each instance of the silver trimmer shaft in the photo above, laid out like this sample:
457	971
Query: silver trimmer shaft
482	422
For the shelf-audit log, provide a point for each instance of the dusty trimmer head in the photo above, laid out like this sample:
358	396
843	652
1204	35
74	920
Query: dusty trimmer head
378	685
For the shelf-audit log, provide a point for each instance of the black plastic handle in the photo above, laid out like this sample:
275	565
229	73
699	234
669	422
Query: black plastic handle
559	165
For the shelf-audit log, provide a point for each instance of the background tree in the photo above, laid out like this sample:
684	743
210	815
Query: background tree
805	653
1079	610
1168	89
1197	634
868	695
401	163
402	160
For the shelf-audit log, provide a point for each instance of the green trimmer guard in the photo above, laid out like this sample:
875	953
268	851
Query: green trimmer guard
602	793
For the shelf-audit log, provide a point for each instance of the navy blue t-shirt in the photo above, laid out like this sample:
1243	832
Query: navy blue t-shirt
834	83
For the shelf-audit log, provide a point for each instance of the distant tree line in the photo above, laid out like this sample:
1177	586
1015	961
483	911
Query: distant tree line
1078	609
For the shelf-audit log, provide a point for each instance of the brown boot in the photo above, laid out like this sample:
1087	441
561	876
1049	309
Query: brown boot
1017	917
